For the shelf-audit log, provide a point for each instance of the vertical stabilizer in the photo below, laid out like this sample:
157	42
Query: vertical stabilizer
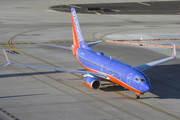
78	40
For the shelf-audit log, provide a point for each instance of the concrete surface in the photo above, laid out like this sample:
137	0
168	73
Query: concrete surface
38	94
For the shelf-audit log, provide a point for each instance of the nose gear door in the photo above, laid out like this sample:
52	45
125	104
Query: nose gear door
129	78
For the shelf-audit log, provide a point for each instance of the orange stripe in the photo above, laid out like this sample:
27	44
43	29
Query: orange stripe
112	79
87	84
140	44
115	80
173	52
75	38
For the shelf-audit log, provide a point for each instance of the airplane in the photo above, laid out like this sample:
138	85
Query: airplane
101	67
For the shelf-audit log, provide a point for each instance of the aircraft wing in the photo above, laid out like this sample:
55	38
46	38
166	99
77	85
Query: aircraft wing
59	46
58	69
69	48
154	63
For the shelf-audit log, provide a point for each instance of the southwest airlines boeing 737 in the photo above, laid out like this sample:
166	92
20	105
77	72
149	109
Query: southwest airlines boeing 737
101	66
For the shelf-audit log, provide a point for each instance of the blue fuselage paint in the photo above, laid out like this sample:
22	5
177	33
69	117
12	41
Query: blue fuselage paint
100	63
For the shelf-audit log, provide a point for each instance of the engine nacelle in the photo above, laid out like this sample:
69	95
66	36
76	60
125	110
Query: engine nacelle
92	82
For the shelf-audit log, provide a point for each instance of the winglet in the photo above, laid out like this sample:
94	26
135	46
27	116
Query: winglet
8	62
174	51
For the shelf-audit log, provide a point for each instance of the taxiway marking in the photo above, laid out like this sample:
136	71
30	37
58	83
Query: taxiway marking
148	105
12	47
9	114
91	41
144	3
42	42
97	13
73	6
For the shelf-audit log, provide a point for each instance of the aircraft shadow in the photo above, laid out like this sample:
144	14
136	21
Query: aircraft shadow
165	82
14	96
164	79
25	74
111	87
33	73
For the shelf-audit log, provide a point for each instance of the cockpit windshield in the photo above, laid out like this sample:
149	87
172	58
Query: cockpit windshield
143	80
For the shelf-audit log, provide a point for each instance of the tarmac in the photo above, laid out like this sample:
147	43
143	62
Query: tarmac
146	7
39	94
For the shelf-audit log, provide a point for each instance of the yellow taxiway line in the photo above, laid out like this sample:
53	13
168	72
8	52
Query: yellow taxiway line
144	3
73	6
141	102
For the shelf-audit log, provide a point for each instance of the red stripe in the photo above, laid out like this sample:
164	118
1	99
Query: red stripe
75	38
5	55
112	79
87	84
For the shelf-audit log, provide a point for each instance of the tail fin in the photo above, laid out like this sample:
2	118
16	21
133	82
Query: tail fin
174	51
8	62
78	40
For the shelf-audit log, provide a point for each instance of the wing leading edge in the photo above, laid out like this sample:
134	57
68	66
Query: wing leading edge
58	69
70	48
154	63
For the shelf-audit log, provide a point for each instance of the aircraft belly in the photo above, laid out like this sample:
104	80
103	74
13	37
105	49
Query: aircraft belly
105	65
121	83
115	79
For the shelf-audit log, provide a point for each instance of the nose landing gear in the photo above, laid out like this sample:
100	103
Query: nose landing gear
138	95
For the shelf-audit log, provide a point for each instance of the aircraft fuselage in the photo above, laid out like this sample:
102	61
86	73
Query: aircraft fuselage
117	72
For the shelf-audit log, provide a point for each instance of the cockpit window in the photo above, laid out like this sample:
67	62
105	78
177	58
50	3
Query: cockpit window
143	80
138	79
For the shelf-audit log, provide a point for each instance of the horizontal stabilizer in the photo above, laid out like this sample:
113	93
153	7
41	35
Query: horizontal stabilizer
64	47
93	43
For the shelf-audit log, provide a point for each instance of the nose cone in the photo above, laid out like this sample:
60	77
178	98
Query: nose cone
146	86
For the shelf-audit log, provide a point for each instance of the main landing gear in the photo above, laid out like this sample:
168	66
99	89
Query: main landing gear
138	95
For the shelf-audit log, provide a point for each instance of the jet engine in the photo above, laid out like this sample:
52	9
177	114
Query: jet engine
92	82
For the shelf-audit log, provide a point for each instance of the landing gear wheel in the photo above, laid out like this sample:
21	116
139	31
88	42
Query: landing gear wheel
137	96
